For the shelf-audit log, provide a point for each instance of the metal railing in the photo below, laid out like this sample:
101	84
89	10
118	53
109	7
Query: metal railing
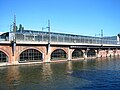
67	38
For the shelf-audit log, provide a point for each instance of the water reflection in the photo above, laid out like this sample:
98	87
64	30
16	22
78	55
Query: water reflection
84	63
46	72
13	77
69	67
100	73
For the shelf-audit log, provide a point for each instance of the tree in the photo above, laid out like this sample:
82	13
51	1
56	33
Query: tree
20	27
119	35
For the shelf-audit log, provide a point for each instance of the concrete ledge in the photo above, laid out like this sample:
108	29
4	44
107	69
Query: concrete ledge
63	43
4	64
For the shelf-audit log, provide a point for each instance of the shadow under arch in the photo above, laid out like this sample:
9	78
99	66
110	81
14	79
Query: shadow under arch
59	54
77	53
91	53
30	55
4	57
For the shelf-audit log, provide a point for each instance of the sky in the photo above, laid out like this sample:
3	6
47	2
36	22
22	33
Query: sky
81	17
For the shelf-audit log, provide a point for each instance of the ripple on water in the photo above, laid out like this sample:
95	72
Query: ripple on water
101	79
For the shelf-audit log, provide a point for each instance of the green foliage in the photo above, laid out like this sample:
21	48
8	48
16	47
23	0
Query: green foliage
118	35
21	27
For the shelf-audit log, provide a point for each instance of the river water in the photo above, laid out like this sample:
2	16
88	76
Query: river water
91	74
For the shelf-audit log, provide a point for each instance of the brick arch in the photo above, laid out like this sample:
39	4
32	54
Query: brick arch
27	49
56	48
76	49
72	51
64	49
77	53
91	53
6	53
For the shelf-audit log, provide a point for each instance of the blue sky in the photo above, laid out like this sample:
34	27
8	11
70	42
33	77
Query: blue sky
83	17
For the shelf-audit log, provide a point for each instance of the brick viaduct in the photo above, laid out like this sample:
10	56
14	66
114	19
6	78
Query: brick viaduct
14	54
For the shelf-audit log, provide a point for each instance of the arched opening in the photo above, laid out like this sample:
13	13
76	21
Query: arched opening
77	53
91	53
58	54
3	57
30	55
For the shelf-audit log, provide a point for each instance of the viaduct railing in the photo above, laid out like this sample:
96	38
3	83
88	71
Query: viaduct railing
58	38
65	38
